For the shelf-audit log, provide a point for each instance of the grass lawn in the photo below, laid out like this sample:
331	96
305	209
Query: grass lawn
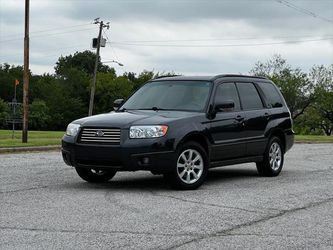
45	138
35	138
314	138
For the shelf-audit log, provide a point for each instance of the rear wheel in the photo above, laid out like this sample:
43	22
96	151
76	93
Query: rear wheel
191	167
95	175
273	159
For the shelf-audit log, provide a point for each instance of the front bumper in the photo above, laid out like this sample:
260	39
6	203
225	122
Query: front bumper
157	155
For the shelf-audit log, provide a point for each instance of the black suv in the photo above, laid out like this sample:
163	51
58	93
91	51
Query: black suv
182	126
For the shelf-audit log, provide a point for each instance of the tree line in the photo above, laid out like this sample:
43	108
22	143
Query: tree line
59	98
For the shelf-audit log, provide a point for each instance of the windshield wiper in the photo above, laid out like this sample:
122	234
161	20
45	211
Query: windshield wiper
153	108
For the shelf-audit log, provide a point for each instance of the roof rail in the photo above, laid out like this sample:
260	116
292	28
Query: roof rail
158	77
235	75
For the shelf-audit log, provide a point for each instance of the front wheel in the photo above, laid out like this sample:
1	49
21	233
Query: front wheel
95	175
191	167
273	159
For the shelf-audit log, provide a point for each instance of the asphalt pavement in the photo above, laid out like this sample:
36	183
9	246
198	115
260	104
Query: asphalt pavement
45	205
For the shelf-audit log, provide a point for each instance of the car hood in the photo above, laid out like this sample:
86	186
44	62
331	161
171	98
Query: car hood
134	117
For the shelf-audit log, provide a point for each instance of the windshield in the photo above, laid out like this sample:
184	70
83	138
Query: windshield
170	95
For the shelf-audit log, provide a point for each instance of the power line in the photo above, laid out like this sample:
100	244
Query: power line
217	45
53	29
49	49
109	43
33	58
302	10
219	39
52	34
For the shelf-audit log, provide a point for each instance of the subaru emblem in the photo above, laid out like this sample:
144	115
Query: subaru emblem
99	133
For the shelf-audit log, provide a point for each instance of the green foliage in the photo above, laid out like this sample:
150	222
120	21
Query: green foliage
39	115
322	77
310	123
309	96
56	100
8	74
83	61
109	88
3	112
295	86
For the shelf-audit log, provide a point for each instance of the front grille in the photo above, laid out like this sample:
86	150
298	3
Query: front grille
99	136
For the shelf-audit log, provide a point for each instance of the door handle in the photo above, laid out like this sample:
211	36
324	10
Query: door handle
239	118
267	115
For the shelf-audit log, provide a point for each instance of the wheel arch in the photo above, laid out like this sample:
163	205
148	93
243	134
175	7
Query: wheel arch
197	137
281	135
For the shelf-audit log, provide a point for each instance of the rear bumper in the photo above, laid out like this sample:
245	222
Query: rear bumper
290	138
156	155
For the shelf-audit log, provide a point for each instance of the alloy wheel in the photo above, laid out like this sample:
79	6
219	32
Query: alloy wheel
190	166
275	156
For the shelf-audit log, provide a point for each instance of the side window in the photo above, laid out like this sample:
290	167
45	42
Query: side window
272	95
249	96
227	92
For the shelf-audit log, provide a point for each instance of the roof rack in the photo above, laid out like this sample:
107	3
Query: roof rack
235	75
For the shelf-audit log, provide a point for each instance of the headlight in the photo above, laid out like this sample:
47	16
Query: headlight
148	131
72	129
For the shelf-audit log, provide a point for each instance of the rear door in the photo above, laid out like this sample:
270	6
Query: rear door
226	128
256	118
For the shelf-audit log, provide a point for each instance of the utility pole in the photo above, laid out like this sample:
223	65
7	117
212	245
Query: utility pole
93	84
26	76
14	103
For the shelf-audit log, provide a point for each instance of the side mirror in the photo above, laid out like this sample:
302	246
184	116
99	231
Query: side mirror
224	106
117	103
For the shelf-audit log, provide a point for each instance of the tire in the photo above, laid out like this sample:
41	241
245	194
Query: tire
190	168
95	176
273	159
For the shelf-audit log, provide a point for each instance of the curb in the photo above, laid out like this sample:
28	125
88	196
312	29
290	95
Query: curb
29	149
313	142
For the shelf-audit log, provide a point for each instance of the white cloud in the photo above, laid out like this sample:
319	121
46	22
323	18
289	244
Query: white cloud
158	21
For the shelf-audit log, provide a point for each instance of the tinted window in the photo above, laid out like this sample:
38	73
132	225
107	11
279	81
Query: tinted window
227	92
171	95
249	96
272	96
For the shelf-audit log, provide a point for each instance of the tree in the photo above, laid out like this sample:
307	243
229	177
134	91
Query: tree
39	116
83	61
109	88
312	123
144	77
74	73
4	110
8	75
295	86
322	78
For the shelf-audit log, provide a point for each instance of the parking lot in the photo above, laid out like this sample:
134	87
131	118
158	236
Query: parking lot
44	204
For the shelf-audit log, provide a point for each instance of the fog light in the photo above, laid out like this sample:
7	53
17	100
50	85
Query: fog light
145	160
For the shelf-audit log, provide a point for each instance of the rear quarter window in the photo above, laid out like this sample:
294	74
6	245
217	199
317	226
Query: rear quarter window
272	95
249	96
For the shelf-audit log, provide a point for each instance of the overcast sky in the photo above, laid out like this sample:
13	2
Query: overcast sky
184	36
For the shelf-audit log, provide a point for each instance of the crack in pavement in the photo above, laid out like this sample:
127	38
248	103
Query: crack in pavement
207	204
99	231
23	189
228	232
274	235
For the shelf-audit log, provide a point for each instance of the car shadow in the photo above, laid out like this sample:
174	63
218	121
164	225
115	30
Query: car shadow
230	174
149	182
